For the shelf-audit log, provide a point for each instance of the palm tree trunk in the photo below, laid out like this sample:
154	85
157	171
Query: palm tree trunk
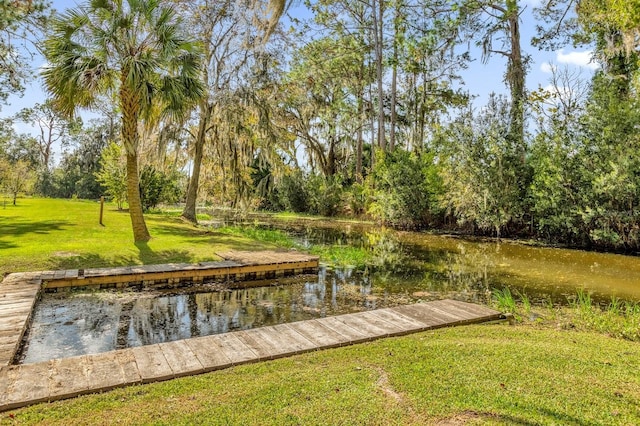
140	232
130	140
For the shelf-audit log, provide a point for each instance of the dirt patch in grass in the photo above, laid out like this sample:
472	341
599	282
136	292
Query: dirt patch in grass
464	418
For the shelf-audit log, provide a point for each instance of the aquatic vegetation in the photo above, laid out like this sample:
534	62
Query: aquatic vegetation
620	319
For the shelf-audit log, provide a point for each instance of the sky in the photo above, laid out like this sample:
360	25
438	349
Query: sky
480	79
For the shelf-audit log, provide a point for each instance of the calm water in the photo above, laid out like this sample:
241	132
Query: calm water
407	267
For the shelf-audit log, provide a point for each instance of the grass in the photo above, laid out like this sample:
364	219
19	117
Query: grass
490	374
43	234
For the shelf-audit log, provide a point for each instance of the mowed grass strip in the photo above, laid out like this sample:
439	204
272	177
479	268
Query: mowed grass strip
43	234
491	374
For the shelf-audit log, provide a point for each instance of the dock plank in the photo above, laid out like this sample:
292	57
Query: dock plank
419	312
317	333
340	327
355	321
472	309
103	371
389	327
67	377
295	341
236	350
31	384
181	358
407	323
152	364
261	343
209	353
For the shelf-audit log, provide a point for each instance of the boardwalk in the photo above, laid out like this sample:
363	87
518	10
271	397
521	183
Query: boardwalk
18	295
19	291
69	377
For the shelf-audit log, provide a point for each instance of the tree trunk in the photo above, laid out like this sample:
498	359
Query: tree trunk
359	138
516	79
130	137
394	78
140	232
189	211
378	23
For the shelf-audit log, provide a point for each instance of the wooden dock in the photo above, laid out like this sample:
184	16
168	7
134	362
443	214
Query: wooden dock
65	378
20	291
236	266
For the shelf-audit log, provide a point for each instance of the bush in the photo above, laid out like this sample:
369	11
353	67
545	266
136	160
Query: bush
325	195
404	189
158	187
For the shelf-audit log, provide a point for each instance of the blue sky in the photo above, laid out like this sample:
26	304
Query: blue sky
480	79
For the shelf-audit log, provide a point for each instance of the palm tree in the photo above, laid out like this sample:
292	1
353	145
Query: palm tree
134	51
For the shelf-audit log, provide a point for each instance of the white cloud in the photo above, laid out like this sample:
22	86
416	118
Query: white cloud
581	59
547	67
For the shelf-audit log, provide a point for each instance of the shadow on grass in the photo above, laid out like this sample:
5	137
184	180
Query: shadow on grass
12	229
146	256
507	419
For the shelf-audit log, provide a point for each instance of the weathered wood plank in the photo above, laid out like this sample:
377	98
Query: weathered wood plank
104	371
8	375
356	322
237	351
152	364
209	353
128	365
181	358
417	312
473	309
354	336
322	336
294	340
261	343
452	315
405	322
31	384
390	328
67	377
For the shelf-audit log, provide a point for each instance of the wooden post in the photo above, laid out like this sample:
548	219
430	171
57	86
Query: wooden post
101	209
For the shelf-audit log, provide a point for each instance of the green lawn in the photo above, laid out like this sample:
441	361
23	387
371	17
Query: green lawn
488	374
42	234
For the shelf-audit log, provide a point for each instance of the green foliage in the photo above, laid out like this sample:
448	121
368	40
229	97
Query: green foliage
158	187
290	193
270	236
15	177
504	300
484	173
112	173
404	189
307	193
325	195
17	19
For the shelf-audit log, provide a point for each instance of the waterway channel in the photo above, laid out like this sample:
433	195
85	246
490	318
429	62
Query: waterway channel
403	267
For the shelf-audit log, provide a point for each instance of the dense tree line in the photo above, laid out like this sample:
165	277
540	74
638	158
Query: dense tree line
355	109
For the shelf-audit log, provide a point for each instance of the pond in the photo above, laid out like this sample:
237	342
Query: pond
402	267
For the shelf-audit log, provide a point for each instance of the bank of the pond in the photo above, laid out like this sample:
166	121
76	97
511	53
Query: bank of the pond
493	374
